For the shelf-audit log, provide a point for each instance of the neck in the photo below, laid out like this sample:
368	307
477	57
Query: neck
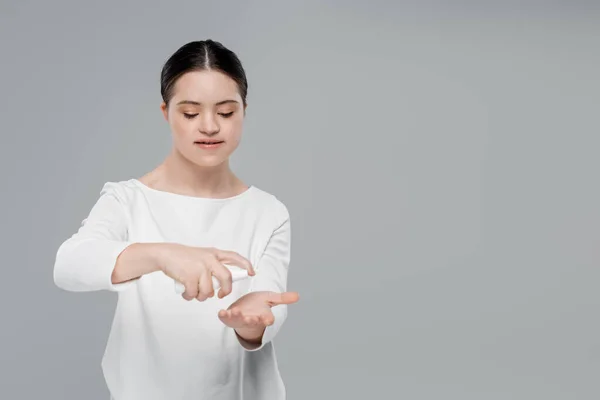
177	174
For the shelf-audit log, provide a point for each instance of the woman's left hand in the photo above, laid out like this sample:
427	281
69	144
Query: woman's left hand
251	314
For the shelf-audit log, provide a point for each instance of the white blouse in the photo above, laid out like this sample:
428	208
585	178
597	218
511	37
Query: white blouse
161	346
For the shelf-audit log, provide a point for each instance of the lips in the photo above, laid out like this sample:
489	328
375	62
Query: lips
209	144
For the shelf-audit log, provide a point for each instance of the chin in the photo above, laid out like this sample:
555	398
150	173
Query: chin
208	162
205	160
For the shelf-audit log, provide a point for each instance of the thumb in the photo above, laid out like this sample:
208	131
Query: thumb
282	298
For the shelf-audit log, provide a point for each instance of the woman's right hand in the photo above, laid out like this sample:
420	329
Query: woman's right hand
194	267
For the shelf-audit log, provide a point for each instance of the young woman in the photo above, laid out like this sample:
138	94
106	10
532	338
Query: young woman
190	220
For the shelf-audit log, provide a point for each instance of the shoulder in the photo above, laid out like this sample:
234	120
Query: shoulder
123	191
271	205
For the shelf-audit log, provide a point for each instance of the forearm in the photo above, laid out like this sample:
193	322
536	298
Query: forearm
137	260
85	264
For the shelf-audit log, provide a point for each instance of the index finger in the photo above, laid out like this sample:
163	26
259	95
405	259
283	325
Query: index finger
231	257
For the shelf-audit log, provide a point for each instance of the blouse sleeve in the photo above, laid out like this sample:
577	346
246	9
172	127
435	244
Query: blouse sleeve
85	261
272	275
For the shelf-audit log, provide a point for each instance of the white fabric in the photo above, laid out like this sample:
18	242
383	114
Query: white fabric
160	345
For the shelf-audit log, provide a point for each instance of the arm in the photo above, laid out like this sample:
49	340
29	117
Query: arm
271	275
99	256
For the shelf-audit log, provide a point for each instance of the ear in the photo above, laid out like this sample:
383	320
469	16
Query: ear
245	106
165	110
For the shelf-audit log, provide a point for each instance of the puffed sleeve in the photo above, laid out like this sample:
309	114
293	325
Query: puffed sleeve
272	274
85	261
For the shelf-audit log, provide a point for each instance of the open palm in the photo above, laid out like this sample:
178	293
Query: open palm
252	312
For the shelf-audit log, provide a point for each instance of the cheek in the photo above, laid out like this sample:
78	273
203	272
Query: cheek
181	127
232	129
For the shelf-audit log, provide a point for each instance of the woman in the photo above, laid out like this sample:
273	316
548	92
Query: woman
190	220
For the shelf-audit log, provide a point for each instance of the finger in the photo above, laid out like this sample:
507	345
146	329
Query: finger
191	288
282	298
223	275
205	285
267	319
225	316
232	318
227	319
235	313
231	257
251	321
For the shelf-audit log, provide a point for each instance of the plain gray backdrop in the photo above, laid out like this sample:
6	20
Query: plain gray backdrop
439	160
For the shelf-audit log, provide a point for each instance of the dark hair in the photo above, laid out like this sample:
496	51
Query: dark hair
199	56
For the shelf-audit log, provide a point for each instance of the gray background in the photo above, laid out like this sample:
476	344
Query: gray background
442	155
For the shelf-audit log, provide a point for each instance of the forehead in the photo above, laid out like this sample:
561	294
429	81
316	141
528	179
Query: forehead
205	87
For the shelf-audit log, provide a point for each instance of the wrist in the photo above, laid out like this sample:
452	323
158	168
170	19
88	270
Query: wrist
135	260
252	336
158	253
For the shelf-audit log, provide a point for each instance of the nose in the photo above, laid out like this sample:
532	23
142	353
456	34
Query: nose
208	125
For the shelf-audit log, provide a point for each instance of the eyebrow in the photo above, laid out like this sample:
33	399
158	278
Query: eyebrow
196	103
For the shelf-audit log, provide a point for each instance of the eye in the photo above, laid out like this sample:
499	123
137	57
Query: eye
226	115
189	116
